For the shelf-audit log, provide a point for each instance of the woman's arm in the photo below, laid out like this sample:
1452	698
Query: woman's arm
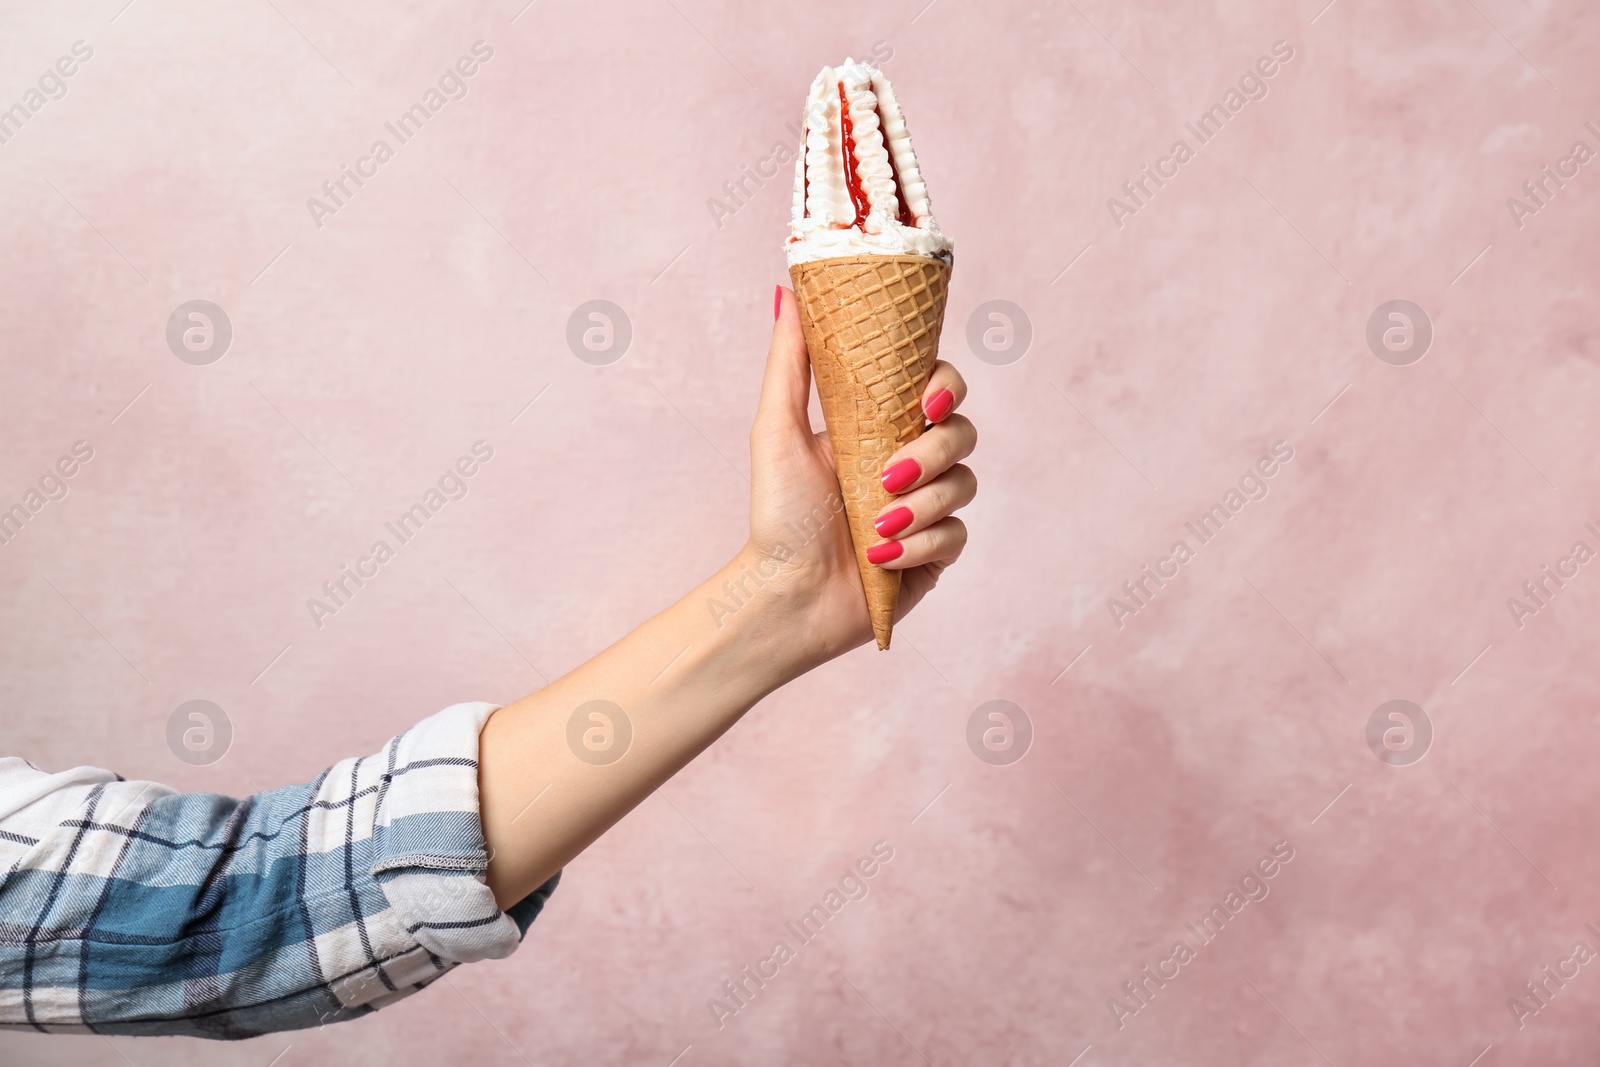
126	908
788	601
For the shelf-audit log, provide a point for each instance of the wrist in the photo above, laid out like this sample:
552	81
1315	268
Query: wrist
759	602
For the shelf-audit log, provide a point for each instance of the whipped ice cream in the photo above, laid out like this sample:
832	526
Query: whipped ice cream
857	187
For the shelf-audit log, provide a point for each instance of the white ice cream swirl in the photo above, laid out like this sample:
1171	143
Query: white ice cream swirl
830	220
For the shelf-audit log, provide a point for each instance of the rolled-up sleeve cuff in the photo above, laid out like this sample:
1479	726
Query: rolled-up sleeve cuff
429	855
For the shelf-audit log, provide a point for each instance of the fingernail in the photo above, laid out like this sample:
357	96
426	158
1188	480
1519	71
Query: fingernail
900	476
777	302
937	406
885	552
892	522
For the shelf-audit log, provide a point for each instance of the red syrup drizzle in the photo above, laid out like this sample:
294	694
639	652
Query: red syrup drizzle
805	174
905	216
852	180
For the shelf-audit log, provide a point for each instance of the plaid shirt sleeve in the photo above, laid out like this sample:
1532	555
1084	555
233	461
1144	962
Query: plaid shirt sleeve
127	908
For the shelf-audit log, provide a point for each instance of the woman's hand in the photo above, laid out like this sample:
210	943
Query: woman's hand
794	491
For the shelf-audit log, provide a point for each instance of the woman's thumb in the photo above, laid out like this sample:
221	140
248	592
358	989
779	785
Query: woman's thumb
786	387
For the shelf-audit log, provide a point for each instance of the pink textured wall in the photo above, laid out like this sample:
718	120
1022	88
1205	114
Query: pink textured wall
1226	313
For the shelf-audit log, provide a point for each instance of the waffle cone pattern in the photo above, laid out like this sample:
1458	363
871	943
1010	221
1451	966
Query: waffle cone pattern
872	329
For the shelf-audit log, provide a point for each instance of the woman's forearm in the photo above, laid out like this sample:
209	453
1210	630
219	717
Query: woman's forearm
680	680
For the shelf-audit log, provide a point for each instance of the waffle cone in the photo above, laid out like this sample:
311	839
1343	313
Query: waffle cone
872	329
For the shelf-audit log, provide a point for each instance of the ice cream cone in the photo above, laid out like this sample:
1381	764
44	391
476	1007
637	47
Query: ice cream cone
872	328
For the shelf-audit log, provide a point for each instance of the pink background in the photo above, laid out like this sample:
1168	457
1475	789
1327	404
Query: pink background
1223	317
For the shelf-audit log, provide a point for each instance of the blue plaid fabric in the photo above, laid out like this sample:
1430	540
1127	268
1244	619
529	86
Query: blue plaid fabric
127	908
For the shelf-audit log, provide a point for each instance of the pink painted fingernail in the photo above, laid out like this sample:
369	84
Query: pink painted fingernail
937	406
885	552
900	476
892	522
777	302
